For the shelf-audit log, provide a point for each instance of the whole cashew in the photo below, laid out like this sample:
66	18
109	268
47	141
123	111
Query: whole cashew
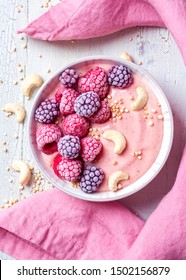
31	81
114	178
117	138
141	100
17	109
126	56
25	173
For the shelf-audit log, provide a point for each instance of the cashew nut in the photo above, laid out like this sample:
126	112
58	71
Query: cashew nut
141	100
117	138
31	81
114	178
17	109
126	56
25	173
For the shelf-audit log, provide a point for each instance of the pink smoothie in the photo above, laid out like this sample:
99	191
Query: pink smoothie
142	129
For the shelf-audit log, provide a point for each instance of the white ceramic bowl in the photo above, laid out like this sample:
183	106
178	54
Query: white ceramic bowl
137	185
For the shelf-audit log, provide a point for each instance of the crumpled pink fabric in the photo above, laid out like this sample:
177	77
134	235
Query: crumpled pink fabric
53	225
79	19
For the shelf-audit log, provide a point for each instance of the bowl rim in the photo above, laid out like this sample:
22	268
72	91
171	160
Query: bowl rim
131	189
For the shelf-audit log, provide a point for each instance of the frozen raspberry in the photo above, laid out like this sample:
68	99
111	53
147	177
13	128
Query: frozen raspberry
90	148
67	169
94	80
68	77
91	179
102	115
87	104
59	94
75	125
47	111
57	159
68	98
120	76
47	137
69	146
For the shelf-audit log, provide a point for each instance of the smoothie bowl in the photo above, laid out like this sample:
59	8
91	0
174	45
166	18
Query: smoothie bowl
100	129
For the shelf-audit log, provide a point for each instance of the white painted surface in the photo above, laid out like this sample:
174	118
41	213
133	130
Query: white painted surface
155	48
4	256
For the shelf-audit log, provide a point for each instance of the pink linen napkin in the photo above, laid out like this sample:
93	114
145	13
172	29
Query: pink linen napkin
53	225
79	19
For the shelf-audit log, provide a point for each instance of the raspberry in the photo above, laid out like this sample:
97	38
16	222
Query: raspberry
120	76
67	169
47	137
68	77
75	125
69	146
68	98
47	111
94	80
59	94
57	159
91	179
102	115
90	148
87	104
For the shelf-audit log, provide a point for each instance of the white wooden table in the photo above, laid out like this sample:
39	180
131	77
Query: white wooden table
19	56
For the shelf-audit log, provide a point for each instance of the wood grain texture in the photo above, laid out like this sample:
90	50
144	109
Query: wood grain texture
154	47
4	256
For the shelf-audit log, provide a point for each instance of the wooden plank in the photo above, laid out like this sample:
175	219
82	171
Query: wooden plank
11	54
